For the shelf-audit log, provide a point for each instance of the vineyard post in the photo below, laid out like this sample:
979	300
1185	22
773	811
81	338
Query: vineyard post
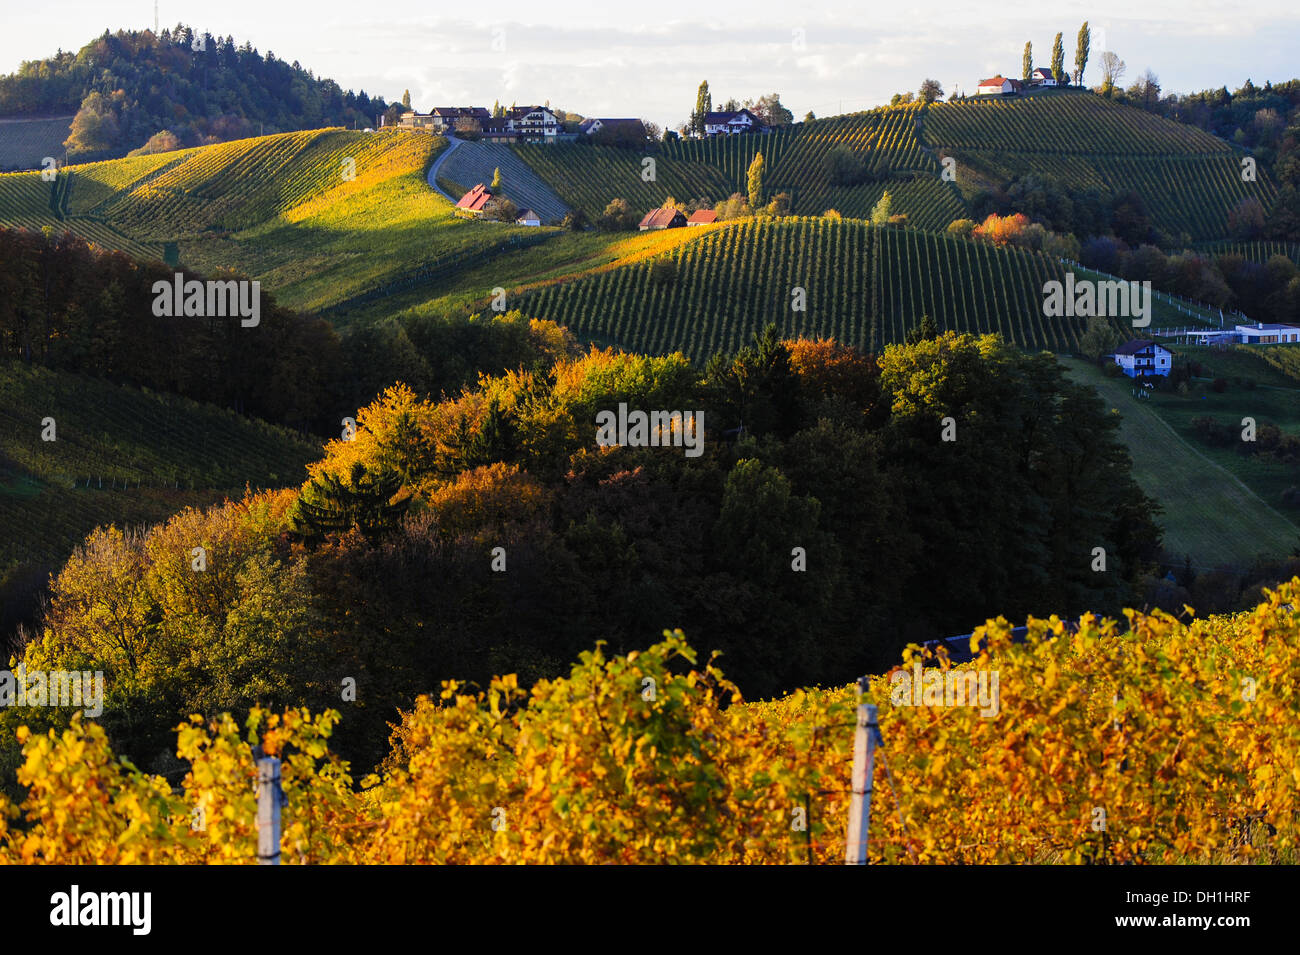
864	755
268	811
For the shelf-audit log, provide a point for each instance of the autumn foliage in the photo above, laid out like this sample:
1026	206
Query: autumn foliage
1147	741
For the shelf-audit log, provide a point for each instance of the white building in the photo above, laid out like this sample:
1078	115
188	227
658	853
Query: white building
727	122
996	85
1140	357
1262	334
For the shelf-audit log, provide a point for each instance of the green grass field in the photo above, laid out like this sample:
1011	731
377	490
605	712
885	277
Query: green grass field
1209	511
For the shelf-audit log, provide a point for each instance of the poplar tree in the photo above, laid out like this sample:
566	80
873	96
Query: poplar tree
755	180
1027	63
1058	59
1081	53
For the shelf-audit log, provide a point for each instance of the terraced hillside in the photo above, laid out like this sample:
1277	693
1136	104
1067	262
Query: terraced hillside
885	141
862	285
121	455
24	143
1188	179
472	163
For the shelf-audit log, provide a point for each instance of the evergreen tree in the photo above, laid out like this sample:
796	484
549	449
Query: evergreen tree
1027	63
1081	53
330	505
754	178
923	332
1058	59
406	99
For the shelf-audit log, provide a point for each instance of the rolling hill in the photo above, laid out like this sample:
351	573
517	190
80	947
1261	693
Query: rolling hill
1188	179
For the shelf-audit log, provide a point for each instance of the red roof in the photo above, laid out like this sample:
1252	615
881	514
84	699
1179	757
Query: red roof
665	218
995	81
475	199
702	217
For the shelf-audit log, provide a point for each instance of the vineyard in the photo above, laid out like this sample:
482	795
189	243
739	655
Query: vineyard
1258	251
28	203
884	141
121	455
864	286
472	163
235	185
1188	179
1285	358
1145	740
24	143
588	177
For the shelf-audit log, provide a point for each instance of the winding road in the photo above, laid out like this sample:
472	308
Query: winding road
452	143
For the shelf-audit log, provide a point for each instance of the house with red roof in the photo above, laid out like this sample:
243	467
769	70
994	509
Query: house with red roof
702	217
474	200
998	85
665	218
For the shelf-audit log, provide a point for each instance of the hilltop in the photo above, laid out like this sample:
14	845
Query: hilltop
136	90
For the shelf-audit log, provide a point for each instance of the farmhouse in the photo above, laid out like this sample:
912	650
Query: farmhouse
445	116
1140	357
702	217
726	122
665	218
1042	77
998	85
474	200
498	131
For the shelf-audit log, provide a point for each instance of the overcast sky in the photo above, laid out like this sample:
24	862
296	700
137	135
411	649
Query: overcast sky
647	58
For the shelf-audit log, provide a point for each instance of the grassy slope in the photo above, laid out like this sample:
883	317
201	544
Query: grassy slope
1208	512
153	454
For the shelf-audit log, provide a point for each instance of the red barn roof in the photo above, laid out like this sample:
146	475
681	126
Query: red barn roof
702	217
475	199
665	218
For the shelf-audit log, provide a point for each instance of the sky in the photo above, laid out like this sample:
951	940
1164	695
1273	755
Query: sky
646	59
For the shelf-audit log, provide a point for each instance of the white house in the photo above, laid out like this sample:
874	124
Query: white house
1042	77
535	124
727	122
1140	357
995	85
1262	334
